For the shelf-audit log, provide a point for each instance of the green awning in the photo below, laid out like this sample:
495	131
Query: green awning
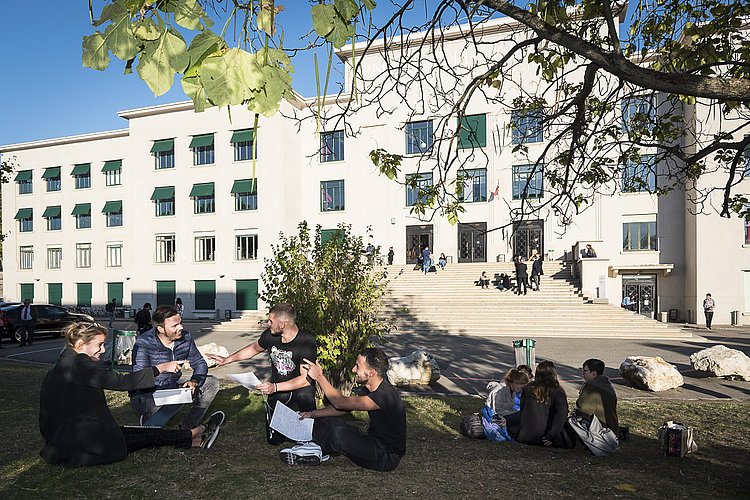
53	211
163	193
82	209
112	165
51	172
24	213
202	140
202	189
242	136
245	186
81	169
112	207
161	146
23	175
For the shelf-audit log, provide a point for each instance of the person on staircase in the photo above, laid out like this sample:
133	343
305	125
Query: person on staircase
536	272
522	276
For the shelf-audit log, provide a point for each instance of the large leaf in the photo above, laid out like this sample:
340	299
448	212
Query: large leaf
204	44
187	13
161	60
95	52
323	16
120	38
265	16
193	87
231	77
111	12
145	29
268	99
334	22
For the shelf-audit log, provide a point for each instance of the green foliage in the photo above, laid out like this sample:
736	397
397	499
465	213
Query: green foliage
336	294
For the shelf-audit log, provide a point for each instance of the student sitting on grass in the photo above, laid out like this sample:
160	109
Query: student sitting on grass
544	410
74	419
597	396
504	399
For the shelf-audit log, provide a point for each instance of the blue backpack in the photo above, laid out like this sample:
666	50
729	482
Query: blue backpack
494	425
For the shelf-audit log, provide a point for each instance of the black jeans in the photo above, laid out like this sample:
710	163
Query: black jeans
304	398
709	318
334	435
137	438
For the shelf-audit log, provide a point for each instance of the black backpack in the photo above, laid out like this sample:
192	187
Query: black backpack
471	426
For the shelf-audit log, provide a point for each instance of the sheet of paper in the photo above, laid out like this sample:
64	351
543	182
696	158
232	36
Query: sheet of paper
248	379
173	396
286	421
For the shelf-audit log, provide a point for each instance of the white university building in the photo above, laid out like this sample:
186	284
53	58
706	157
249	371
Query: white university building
169	206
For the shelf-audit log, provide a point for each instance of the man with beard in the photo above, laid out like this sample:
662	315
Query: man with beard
287	346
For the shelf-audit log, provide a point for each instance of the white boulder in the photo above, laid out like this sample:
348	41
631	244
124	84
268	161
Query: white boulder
721	361
210	348
419	367
651	373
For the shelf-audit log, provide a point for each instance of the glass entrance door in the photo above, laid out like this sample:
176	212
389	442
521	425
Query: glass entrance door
527	237
472	242
416	239
642	288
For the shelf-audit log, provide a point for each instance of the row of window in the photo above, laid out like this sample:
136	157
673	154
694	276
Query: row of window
52	177
246	248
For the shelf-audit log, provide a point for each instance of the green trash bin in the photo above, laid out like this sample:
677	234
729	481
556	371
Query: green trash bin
122	340
525	350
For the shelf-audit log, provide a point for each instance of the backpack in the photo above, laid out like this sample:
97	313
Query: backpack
599	439
494	425
676	439
471	426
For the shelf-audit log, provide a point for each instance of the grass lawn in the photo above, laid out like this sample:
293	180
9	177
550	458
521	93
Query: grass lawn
439	462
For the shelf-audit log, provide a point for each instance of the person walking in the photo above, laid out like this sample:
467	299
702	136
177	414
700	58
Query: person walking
522	276
426	260
111	306
28	323
536	272
390	256
708	309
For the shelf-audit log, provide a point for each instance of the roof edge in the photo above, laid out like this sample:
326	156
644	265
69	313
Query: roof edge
70	139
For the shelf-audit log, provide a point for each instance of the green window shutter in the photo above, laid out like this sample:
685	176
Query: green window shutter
111	165
53	211
245	186
82	209
54	293
246	295
24	213
163	193
81	169
83	294
23	175
51	172
205	294
165	292
27	291
112	207
200	141
114	291
473	132
161	146
206	189
242	136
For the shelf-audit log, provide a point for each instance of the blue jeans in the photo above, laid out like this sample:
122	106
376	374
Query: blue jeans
426	265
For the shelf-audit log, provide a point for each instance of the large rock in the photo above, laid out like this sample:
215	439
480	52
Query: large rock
651	373
210	348
418	367
721	361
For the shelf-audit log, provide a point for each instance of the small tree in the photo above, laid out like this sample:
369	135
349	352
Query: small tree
336	295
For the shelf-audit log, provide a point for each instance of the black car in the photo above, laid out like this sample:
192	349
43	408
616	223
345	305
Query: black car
50	320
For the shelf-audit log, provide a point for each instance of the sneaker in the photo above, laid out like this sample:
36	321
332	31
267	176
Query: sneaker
303	454
212	426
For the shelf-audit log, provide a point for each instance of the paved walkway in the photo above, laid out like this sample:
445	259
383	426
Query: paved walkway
467	363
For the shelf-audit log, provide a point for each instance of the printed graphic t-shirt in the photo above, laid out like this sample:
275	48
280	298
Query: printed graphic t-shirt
287	358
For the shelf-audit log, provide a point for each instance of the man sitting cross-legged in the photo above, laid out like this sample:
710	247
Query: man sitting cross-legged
597	396
384	443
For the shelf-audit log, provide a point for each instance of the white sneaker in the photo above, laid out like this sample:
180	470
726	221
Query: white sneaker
303	454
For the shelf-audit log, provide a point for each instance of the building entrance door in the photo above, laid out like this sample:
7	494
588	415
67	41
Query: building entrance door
527	237
472	242
416	238
643	290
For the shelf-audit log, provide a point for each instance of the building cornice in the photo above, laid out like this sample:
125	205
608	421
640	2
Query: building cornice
59	141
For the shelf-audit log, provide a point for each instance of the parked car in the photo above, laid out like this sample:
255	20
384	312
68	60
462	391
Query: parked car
50	320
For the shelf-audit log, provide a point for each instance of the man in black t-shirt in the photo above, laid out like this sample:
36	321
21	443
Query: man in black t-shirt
384	443
287	345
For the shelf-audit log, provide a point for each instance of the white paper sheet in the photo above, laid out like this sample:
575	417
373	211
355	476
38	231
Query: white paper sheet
286	421
248	379
173	396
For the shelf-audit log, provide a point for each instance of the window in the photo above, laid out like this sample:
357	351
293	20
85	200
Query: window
114	254
243	145
418	137
418	193
638	176
82	213
638	114
203	197
639	232
82	175
247	246
54	258
26	257
25	180
163	198
527	181
205	248
473	132
165	247
474	185
83	254
52	177
332	146
163	152
203	149
245	193
113	212
527	126
331	196
113	172
54	218
25	218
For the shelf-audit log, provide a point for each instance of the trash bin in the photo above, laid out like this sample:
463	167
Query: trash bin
664	316
525	350
122	347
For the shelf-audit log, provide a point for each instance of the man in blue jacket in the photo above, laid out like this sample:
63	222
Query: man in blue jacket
167	341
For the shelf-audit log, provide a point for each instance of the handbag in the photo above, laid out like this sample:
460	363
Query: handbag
676	440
